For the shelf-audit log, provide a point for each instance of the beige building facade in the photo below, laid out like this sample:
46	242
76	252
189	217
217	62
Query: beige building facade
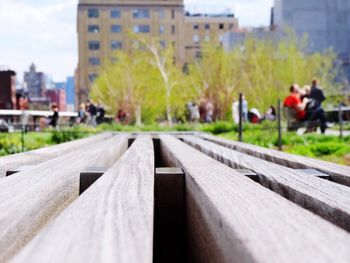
105	25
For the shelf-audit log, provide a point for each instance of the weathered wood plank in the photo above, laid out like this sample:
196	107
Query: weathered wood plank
325	198
31	198
112	221
41	155
230	218
338	173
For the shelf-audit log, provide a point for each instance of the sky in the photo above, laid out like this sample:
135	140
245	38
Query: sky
44	31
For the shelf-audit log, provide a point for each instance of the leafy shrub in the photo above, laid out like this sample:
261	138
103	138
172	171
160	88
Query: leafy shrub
68	135
219	127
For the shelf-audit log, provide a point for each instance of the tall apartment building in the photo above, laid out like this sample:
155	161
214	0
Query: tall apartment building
104	26
326	22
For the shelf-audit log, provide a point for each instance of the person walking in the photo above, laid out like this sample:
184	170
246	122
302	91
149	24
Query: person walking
235	111
92	110
53	120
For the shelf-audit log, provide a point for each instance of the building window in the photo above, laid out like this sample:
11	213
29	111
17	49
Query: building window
142	29
207	26
173	14
116	45
195	27
198	55
94	29
221	26
116	28
221	38
94	61
93	13
207	38
173	29
162	44
141	13
195	39
161	13
231	26
115	13
93	77
94	45
161	29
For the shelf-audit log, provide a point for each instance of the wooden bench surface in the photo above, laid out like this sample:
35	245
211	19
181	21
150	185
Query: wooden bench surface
338	173
111	222
221	214
34	157
325	198
31	198
230	218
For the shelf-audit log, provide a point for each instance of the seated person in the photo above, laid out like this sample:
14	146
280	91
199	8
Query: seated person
295	102
303	110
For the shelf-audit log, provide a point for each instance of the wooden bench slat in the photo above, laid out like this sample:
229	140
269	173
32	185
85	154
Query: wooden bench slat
230	218
338	173
31	198
325	198
112	221
43	154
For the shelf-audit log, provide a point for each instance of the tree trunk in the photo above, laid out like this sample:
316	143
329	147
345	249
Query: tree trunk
138	115
168	109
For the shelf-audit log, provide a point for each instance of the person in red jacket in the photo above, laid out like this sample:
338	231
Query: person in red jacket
294	102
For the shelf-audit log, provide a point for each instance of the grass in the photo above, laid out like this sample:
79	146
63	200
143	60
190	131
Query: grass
11	143
329	148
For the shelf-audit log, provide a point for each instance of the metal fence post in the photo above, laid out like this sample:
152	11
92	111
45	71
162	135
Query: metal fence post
240	125
341	128
279	124
22	136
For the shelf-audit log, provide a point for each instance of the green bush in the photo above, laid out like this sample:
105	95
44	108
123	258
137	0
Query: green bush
71	134
219	127
328	148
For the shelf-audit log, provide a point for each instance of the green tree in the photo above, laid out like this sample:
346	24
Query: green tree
129	83
261	69
163	60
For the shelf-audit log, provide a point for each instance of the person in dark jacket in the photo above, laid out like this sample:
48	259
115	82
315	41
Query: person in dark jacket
53	120
100	117
317	94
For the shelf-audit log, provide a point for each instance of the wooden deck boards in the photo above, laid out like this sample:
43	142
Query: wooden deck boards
325	198
111	222
233	219
30	199
338	173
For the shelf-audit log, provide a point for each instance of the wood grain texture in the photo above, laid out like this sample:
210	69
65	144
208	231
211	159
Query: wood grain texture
111	222
31	198
327	199
338	173
230	218
44	154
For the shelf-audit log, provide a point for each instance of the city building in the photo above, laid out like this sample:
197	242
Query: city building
57	97
237	38
326	23
70	94
105	26
7	89
202	28
36	83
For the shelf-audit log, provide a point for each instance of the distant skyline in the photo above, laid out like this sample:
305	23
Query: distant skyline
44	31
